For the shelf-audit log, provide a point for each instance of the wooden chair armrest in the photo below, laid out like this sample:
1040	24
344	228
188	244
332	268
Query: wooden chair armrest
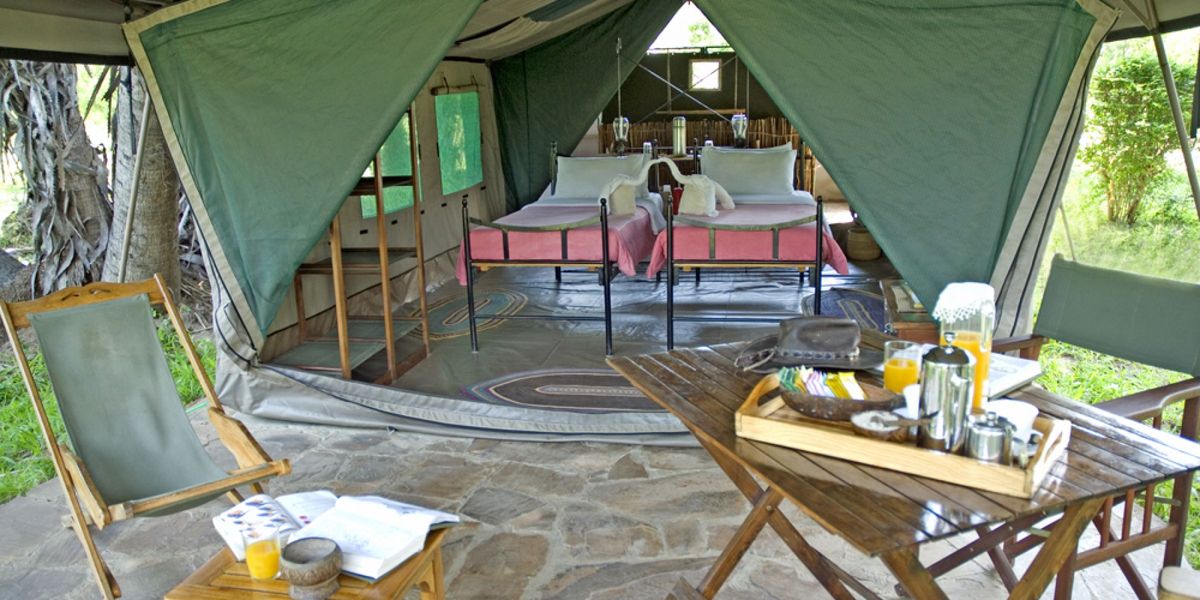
235	479
1150	403
237	439
1028	345
84	488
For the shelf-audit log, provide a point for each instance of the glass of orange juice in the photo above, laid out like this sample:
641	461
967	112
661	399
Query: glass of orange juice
901	364
979	344
262	552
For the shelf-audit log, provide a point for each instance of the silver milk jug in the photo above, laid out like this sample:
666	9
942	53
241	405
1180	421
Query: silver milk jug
947	380
990	439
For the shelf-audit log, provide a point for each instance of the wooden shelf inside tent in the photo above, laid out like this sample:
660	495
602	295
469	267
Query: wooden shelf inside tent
357	261
358	338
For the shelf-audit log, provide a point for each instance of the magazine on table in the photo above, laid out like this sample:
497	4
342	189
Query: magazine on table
1005	373
375	534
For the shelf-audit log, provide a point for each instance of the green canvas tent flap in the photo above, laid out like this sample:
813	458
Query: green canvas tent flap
931	116
551	92
274	108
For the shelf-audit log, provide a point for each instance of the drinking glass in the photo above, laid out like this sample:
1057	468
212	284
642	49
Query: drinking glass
262	552
901	365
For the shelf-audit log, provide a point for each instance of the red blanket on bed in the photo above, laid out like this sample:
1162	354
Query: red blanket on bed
630	238
795	243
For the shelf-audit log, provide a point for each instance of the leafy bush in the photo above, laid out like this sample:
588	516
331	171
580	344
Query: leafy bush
1131	128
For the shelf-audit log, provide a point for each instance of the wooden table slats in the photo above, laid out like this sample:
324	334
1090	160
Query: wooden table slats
878	510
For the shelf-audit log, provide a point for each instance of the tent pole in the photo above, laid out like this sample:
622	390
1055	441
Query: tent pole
414	150
385	278
1062	213
133	186
1150	20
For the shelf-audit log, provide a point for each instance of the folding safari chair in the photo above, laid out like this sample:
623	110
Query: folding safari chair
132	450
1142	319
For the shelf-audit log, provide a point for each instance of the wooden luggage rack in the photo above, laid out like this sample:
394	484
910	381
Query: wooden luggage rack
359	338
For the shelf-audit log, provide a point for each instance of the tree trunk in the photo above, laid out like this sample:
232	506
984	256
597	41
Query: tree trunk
14	278
64	175
154	239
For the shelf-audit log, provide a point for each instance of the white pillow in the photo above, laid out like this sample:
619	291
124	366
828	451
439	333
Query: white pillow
699	198
585	177
779	148
622	201
751	171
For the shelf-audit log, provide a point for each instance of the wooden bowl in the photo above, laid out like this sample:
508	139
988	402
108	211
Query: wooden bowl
828	408
310	561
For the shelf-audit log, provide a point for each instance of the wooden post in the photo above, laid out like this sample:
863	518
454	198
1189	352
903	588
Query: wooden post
385	279
414	150
133	186
339	294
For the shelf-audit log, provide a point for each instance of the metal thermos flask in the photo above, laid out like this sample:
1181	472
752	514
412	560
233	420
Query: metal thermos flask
947	379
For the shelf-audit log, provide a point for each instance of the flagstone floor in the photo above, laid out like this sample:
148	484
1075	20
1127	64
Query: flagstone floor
565	521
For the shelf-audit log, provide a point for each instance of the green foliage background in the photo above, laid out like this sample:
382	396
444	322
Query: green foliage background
1130	127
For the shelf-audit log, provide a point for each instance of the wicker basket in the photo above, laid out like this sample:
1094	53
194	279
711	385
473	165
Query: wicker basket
861	246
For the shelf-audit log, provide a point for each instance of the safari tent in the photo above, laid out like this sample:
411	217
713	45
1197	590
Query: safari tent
949	125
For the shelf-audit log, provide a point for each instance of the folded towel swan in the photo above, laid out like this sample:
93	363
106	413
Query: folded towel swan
701	195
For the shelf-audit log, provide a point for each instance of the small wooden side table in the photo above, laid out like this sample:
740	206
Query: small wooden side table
224	578
906	321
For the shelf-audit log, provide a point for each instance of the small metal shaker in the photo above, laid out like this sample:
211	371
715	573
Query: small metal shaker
990	439
947	379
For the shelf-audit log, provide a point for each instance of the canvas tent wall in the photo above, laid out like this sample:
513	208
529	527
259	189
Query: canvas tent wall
441	216
274	107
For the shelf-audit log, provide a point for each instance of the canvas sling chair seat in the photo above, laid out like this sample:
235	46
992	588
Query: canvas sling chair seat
130	449
1138	318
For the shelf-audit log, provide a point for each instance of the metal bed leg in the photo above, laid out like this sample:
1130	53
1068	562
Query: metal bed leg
670	277
558	274
604	278
466	224
820	262
697	275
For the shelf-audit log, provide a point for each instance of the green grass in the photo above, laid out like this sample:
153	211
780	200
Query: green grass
1165	243
23	460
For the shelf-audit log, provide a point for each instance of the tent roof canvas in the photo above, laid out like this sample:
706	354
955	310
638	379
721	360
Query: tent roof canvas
89	30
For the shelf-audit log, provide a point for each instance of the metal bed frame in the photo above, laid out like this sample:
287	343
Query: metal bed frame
604	265
713	263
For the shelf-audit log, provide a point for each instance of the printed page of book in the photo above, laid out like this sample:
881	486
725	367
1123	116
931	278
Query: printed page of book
439	517
373	537
258	511
305	507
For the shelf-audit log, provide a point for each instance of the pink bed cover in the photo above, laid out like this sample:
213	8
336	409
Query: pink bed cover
630	238
795	243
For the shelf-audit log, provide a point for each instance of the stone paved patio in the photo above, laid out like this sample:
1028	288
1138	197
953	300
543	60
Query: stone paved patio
565	521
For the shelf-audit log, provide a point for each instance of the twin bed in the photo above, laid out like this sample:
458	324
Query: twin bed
770	226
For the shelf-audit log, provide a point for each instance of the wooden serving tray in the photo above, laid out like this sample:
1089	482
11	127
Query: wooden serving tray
774	423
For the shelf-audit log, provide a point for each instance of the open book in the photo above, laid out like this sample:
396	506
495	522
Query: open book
287	513
374	533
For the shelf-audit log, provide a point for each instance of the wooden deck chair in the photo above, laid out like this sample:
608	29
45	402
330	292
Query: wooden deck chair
1142	319
132	450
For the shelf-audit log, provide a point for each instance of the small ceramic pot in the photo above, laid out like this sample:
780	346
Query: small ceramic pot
311	566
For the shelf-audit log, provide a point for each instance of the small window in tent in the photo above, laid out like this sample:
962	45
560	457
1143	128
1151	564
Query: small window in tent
459	141
397	162
704	74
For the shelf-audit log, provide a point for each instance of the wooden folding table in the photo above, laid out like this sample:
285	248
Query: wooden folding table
890	514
